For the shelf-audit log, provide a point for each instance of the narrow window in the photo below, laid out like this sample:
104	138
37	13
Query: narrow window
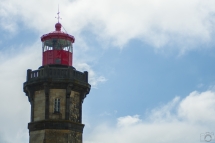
57	105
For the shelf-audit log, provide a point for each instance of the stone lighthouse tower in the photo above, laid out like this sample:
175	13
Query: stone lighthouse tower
56	92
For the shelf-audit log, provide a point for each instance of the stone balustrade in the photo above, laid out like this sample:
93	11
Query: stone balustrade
56	74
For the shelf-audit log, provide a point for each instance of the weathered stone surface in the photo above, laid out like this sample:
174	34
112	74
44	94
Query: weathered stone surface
37	136
74	114
55	136
39	105
62	136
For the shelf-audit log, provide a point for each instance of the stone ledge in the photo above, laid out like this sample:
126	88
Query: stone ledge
58	124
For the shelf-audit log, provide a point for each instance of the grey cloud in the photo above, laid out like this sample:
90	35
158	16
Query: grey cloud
2	139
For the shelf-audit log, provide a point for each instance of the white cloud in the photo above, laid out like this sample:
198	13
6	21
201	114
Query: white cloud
165	112
198	107
178	121
105	114
128	120
8	19
157	22
94	78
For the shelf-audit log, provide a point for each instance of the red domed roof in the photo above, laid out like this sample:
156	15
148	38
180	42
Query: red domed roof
58	34
58	27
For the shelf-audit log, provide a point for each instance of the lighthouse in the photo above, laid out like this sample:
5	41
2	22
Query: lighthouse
56	91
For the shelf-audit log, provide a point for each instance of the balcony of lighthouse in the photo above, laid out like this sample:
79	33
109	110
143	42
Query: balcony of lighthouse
57	74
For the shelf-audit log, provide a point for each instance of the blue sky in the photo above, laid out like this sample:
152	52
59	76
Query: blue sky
150	64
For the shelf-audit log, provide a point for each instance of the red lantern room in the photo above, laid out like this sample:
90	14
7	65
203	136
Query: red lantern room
57	47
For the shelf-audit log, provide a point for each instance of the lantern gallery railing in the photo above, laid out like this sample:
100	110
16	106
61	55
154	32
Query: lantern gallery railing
56	73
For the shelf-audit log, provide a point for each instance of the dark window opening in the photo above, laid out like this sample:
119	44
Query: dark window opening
57	105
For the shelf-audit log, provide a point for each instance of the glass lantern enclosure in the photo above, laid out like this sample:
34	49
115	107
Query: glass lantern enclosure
57	51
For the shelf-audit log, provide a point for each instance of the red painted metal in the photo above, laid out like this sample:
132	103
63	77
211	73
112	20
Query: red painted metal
58	34
57	55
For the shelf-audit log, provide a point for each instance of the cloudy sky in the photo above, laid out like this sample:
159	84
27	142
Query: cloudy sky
151	66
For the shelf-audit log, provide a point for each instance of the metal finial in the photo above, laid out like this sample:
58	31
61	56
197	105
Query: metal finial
58	17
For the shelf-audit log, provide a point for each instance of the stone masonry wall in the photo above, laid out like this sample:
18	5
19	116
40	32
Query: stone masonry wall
55	136
37	136
39	105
